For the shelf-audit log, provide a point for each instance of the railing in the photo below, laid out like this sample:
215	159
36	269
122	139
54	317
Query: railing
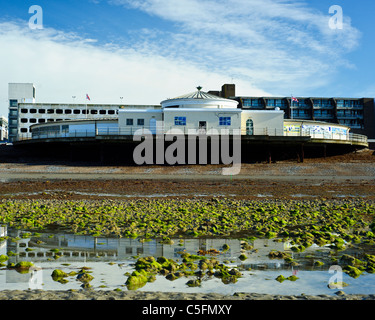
297	132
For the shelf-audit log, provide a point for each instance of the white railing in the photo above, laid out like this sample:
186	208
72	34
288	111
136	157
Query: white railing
130	131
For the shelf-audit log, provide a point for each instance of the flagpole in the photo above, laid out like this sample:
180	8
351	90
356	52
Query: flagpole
291	107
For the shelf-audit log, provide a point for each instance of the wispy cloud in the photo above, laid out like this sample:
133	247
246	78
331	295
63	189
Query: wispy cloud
65	64
266	46
274	44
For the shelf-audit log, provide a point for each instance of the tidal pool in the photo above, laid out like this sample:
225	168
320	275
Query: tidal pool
111	260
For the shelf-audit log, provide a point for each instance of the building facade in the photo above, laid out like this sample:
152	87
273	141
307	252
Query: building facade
24	112
3	129
356	113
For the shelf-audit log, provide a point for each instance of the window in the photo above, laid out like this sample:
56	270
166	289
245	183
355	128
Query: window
13	112
50	111
24	110
42	110
59	111
13	103
32	110
42	120
76	111
111	111
180	121
32	120
249	127
141	122
102	112
224	121
129	122
23	130
94	111
68	111
23	120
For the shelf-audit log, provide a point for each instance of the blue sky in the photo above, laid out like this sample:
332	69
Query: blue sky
148	50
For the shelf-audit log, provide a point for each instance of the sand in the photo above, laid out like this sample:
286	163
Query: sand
142	296
336	177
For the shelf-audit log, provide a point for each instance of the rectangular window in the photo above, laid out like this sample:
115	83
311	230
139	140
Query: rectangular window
180	121
141	122
102	112
129	122
68	111
111	111
13	103
42	120
42	110
24	110
76	111
59	111
94	111
50	111
23	120
32	120
32	110
224	121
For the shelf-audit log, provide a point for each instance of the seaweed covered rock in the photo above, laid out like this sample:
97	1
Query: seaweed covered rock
148	264
138	279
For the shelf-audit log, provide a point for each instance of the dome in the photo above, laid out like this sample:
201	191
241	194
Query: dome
199	99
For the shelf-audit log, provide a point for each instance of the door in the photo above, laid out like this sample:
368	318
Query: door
153	125
202	126
249	127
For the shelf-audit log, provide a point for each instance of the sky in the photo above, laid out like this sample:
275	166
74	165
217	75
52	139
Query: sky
145	51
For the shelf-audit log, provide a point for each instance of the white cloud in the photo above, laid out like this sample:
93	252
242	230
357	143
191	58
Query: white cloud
62	65
276	44
268	47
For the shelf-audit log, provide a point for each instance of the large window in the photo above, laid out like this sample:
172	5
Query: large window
13	103
225	121
253	102
141	122
129	122
180	121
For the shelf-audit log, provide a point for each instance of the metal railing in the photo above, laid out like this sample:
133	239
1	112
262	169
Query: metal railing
186	130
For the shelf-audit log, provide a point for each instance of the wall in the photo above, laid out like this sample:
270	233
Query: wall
147	115
264	122
22	92
194	116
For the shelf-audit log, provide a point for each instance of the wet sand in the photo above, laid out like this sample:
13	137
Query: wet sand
339	177
141	295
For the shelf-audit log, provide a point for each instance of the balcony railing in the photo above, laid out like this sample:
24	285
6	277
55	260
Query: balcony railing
296	132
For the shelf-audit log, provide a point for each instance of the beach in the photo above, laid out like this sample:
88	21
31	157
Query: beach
342	177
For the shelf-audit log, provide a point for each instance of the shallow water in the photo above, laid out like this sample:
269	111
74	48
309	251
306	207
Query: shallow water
110	258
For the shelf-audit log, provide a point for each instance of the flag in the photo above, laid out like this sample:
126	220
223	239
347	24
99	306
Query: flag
294	99
87	97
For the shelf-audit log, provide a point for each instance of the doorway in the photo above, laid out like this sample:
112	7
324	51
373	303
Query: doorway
249	127
202	126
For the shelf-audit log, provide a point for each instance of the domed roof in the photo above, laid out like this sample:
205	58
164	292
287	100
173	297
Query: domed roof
199	96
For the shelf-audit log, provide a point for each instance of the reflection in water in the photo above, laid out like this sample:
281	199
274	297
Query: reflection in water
111	258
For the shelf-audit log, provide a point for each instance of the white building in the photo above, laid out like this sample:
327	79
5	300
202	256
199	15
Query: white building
204	112
3	128
197	112
25	112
